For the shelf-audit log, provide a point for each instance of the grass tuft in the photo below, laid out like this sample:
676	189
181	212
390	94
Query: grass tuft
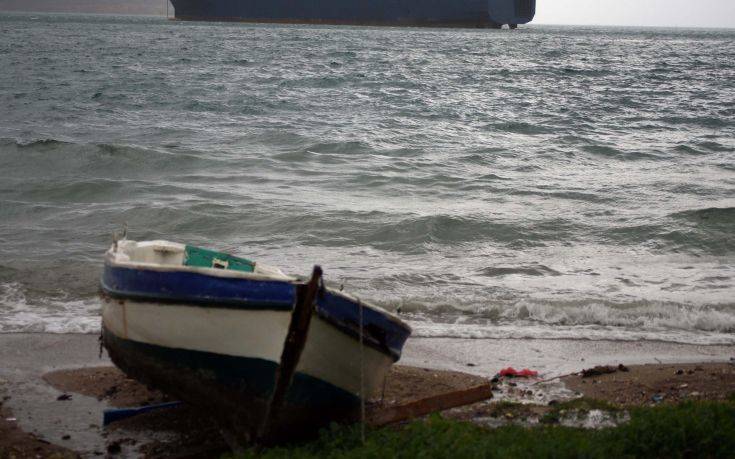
691	429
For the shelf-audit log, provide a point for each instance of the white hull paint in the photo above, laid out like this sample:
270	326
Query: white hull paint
329	355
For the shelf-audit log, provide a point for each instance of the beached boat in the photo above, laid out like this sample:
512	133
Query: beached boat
268	355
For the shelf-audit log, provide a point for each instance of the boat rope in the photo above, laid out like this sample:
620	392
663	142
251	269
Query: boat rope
362	378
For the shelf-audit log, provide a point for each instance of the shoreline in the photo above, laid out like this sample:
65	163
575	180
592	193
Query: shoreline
655	350
75	424
552	357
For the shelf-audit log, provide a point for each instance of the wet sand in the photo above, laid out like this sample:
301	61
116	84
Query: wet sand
39	368
652	384
15	443
189	432
551	357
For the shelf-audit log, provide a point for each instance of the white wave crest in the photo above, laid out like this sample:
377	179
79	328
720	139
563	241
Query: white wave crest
47	315
529	330
639	315
678	323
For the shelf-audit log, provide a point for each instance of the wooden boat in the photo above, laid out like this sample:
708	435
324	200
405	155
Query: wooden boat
268	355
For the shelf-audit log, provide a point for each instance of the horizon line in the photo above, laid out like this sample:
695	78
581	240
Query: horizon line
566	24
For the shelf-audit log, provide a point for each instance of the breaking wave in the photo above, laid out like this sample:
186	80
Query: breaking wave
58	314
587	320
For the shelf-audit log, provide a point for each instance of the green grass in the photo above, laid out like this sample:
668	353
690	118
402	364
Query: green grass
689	430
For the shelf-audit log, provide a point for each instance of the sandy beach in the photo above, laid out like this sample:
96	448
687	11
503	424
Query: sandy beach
55	387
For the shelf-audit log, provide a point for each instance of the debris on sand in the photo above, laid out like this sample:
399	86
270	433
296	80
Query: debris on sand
598	371
645	385
511	372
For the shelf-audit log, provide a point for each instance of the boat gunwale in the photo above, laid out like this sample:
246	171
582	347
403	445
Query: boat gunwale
111	260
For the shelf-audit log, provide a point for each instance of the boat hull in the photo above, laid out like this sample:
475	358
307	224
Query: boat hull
435	13
232	390
225	361
264	353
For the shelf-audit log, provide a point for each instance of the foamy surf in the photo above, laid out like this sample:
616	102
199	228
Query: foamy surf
592	320
531	330
47	315
685	324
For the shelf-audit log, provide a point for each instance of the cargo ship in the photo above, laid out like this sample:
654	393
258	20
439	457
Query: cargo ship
429	13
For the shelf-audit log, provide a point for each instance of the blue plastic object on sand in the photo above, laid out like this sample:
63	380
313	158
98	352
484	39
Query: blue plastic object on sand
117	414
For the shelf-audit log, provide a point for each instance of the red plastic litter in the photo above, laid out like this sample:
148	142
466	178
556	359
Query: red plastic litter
525	373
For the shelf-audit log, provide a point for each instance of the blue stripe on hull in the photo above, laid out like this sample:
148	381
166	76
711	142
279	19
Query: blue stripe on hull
377	327
182	287
195	288
398	12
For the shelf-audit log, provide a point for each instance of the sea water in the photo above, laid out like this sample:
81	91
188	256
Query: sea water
547	182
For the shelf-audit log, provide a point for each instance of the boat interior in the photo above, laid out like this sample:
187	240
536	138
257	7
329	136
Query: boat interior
168	253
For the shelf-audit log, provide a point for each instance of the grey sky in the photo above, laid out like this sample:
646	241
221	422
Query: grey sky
686	13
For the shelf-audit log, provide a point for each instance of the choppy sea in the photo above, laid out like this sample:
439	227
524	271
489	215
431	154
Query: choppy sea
548	182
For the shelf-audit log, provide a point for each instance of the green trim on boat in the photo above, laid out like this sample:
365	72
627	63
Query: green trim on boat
203	258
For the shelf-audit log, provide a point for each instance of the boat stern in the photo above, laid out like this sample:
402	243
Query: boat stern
511	12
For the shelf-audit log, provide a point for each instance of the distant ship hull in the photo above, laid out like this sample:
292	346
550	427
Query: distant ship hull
430	13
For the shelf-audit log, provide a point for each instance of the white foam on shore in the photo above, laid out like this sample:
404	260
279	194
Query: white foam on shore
592	320
526	319
58	314
530	330
641	315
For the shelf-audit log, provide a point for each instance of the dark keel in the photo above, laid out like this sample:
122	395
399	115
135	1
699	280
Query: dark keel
234	391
